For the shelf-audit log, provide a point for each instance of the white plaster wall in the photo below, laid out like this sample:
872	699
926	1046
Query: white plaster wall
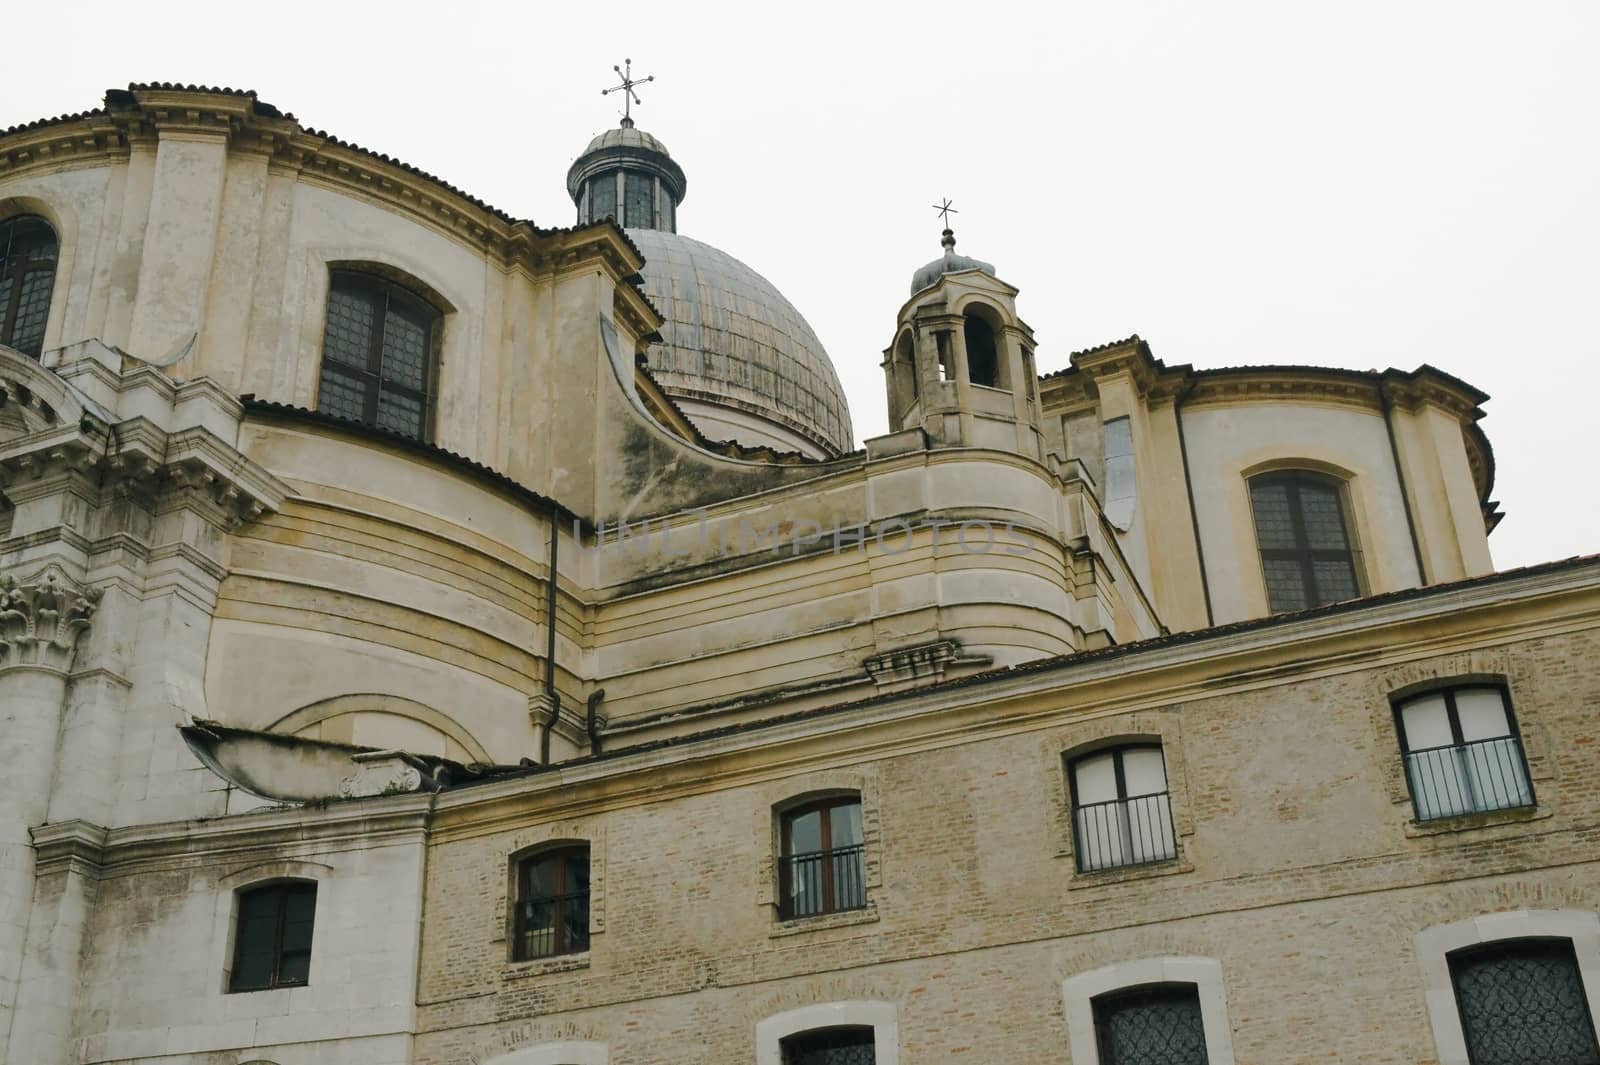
153	983
1226	441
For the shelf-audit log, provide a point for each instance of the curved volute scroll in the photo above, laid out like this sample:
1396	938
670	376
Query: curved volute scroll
41	618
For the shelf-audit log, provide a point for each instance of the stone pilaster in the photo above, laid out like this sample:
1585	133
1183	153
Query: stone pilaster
42	616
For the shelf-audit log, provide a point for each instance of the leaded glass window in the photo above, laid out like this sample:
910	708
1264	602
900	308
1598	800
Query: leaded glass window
639	192
603	197
1306	553
272	939
378	354
1156	1024
1522	1003
831	1046
28	253
552	904
1462	752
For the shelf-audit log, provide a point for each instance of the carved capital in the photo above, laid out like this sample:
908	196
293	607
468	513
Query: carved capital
42	617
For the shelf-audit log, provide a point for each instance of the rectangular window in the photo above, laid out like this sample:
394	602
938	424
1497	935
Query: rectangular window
1121	810
639	192
552	914
824	861
1307	557
1157	1024
603	198
1523	1001
1462	752
272	938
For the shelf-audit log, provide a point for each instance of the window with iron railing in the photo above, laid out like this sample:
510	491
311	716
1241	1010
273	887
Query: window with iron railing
552	915
1523	1000
1462	752
823	866
1121	809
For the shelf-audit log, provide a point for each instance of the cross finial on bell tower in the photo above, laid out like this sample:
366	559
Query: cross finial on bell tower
945	208
629	97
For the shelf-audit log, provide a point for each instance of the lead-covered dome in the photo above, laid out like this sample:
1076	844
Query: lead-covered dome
732	340
734	353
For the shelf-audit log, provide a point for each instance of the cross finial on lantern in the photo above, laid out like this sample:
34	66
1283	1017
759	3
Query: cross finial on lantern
629	97
946	208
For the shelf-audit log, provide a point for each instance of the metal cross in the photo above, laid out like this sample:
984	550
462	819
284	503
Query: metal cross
945	210
629	97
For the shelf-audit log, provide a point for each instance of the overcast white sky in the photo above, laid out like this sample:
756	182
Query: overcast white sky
1352	184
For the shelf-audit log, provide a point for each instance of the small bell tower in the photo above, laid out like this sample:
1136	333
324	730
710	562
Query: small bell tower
961	366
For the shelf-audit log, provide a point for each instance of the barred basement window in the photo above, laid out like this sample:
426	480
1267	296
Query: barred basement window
1462	752
824	859
272	940
28	252
552	904
1306	552
1523	1001
831	1046
379	354
1121	809
1157	1024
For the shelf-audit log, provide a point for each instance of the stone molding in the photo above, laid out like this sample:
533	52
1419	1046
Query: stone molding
41	618
923	662
1078	994
380	773
1435	944
879	1016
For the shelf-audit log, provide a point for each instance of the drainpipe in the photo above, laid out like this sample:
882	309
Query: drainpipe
1400	478
550	640
1188	487
592	719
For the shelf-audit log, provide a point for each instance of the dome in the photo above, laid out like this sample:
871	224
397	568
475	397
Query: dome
626	137
948	263
731	340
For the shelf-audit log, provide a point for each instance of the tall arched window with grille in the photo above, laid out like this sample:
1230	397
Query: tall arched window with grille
380	354
28	253
1308	555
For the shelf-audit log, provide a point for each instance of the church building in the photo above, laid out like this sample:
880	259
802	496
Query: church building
428	637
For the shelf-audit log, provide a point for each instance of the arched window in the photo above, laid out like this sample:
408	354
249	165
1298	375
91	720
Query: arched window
824	866
552	904
1121	809
379	354
272	937
28	254
1158	1024
1306	551
852	1045
983	362
1523	1000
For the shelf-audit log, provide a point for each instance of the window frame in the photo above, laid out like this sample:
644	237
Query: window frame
1503	947
18	275
1099	1005
370	375
1397	705
1303	553
561	934
823	806
1078	993
282	888
1116	750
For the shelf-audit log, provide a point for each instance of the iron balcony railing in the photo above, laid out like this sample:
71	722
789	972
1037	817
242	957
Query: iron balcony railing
823	881
555	925
1469	778
1124	832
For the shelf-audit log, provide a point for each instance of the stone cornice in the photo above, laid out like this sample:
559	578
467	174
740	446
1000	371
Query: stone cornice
1426	622
394	820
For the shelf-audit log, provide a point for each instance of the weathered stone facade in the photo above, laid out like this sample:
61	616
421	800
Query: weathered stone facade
249	644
